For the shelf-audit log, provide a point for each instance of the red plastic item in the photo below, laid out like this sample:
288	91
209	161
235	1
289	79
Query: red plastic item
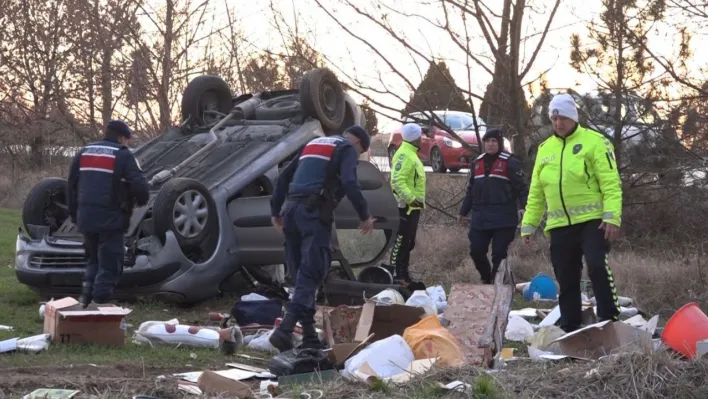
685	328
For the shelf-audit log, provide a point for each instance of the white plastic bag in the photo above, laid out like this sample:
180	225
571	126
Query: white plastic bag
437	293
421	300
387	357
262	343
518	329
388	296
253	297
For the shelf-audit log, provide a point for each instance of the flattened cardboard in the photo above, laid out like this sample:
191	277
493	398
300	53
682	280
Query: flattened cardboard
601	339
385	321
213	383
67	322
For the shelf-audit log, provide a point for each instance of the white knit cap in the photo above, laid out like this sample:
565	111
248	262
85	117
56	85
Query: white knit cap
563	105
411	132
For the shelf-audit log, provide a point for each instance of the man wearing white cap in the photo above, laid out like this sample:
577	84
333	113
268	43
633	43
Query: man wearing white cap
408	184
575	177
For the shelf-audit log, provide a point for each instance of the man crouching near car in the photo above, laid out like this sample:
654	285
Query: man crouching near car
308	191
104	176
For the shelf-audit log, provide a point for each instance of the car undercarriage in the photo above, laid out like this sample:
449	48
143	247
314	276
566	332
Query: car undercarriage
206	229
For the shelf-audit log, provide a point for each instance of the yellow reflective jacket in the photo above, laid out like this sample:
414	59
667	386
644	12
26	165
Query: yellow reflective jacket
575	179
408	177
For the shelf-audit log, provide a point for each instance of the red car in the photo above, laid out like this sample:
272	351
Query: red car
438	149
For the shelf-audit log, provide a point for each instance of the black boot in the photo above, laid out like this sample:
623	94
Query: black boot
282	337
310	340
86	294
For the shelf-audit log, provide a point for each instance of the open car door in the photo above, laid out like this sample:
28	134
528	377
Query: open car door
260	244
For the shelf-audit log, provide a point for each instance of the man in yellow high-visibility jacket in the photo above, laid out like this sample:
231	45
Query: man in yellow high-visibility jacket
408	184
575	177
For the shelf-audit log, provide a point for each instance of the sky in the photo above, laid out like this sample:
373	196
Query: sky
356	59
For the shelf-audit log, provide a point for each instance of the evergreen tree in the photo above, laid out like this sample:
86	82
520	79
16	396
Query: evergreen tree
437	91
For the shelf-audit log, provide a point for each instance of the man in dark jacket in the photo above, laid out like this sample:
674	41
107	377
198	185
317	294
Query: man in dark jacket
104	177
308	191
496	192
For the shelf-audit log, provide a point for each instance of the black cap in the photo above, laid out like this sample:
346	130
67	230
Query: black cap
361	134
493	133
120	128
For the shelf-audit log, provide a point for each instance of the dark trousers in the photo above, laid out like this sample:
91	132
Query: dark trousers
479	246
104	264
568	246
308	256
405	241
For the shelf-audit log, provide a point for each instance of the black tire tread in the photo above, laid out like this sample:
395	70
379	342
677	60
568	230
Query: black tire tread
32	209
310	101
194	91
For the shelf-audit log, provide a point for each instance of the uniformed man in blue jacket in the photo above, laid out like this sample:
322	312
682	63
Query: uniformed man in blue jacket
496	192
308	191
104	183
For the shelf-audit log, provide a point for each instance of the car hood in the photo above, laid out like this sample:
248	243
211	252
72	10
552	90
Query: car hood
470	137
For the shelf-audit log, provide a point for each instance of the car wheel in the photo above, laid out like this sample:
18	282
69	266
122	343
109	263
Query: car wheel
185	207
46	205
322	98
391	153
279	108
202	95
454	170
436	161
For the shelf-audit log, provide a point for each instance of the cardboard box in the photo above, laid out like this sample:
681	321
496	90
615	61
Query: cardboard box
340	324
605	338
67	322
385	320
213	383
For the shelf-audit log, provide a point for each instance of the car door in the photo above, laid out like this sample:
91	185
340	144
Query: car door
259	244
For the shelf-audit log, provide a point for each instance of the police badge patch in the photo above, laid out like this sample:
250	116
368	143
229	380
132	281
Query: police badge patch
577	148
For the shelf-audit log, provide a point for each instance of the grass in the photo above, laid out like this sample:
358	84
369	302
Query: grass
659	281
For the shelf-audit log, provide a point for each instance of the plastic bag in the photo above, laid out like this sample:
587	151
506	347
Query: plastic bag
518	329
299	361
253	297
421	300
262	343
429	339
438	296
389	296
387	357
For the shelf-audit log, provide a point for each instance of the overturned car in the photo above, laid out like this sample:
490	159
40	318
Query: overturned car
206	228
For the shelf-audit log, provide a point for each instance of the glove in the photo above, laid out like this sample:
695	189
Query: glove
418	203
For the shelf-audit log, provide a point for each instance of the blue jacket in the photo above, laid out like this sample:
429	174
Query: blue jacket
323	158
496	191
104	181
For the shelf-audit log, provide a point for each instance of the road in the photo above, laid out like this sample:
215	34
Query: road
382	164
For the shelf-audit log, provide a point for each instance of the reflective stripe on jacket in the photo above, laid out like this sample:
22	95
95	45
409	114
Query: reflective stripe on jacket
408	177
576	180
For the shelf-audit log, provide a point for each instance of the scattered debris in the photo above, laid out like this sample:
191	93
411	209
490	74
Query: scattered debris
518	329
44	393
67	322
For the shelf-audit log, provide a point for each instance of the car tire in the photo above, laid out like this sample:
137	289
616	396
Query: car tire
46	204
454	170
322	98
278	108
436	161
185	207
205	93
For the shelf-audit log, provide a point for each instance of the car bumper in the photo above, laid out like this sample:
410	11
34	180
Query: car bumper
59	265
457	158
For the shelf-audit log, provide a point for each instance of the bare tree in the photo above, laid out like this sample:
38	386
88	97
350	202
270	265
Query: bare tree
504	44
98	47
34	62
175	30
